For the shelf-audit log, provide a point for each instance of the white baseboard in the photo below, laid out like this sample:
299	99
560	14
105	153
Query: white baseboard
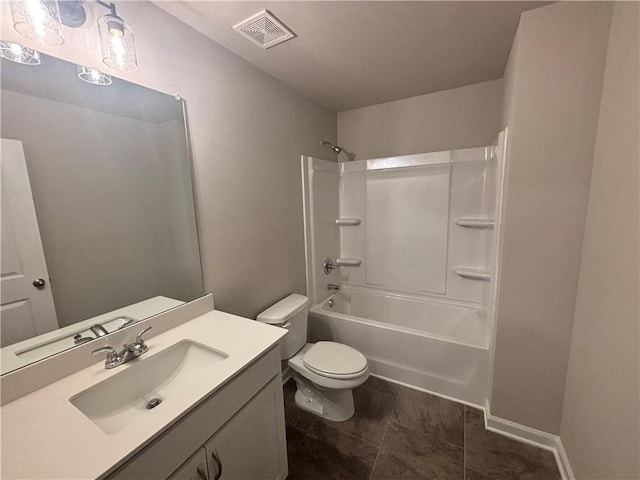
563	462
533	437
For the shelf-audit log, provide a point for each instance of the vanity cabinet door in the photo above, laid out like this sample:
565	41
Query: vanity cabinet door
193	469
252	445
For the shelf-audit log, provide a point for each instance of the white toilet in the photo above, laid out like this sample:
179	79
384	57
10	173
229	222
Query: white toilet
325	372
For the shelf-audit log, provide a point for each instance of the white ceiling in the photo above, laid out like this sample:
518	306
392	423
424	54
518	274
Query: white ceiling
349	54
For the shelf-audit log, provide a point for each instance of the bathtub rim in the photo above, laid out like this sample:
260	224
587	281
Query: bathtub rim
318	309
416	297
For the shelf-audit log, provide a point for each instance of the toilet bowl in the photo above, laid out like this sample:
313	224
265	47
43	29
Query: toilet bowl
325	372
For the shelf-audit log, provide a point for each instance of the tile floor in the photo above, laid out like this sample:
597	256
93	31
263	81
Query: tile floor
398	433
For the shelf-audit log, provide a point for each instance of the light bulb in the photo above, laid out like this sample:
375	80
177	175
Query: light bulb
116	39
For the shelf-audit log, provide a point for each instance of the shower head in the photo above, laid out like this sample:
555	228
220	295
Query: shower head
335	148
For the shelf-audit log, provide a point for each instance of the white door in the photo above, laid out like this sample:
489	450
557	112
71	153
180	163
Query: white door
26	302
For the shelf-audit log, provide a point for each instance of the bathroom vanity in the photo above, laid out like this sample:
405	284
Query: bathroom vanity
204	402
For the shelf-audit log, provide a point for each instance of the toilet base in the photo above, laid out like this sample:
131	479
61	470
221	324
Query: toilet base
334	405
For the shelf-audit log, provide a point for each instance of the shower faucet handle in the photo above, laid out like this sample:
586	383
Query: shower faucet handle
328	265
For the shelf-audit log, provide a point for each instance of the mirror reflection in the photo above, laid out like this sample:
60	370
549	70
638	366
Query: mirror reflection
98	217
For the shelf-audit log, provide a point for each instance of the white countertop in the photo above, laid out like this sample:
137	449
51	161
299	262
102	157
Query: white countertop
45	436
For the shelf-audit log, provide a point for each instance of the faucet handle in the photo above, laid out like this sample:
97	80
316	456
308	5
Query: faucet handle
106	348
111	352
139	336
328	265
113	357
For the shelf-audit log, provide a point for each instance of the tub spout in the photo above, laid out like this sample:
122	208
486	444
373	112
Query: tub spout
333	286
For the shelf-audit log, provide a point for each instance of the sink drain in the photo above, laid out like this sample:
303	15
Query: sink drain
153	403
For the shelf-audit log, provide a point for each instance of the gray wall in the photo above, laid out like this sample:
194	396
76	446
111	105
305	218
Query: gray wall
553	87
114	204
600	422
248	131
457	118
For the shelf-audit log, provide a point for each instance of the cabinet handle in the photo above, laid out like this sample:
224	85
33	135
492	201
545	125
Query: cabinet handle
200	469
219	464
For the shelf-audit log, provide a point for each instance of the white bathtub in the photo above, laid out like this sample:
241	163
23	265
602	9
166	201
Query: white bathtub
440	347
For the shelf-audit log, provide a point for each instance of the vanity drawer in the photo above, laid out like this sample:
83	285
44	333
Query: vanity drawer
165	454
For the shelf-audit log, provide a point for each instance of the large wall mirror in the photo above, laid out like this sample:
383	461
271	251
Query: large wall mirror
98	217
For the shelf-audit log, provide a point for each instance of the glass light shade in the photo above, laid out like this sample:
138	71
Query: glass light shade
116	38
18	53
93	76
38	20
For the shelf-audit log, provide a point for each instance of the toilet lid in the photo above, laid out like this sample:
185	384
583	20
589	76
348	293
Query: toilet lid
330	358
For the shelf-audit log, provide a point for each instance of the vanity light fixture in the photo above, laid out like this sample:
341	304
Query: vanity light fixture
19	53
93	76
38	20
42	20
72	13
116	39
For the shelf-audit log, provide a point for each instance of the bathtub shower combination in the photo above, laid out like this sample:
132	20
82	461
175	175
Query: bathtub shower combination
402	254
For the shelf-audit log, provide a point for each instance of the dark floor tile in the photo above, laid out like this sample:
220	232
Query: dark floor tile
429	414
293	414
294	436
503	458
328	454
474	415
411	455
379	385
373	410
294	440
471	475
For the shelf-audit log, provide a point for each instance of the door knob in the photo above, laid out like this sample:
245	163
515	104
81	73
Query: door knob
39	283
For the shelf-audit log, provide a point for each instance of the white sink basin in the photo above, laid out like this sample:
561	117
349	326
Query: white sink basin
125	397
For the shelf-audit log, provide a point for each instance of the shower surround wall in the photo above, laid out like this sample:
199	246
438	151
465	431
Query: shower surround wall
415	238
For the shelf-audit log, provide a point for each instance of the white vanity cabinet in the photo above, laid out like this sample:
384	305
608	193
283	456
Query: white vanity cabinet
248	447
193	469
236	434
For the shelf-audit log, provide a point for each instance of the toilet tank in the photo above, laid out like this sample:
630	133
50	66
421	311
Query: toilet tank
291	313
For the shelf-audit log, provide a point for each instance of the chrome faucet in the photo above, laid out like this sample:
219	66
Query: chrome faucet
129	351
98	330
333	286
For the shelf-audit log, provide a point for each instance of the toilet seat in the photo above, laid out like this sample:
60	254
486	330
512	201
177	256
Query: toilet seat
335	360
335	382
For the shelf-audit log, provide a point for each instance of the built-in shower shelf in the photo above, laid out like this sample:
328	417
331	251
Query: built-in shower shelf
475	222
348	262
473	273
348	222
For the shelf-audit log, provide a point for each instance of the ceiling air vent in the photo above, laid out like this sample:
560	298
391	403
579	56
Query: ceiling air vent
264	29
